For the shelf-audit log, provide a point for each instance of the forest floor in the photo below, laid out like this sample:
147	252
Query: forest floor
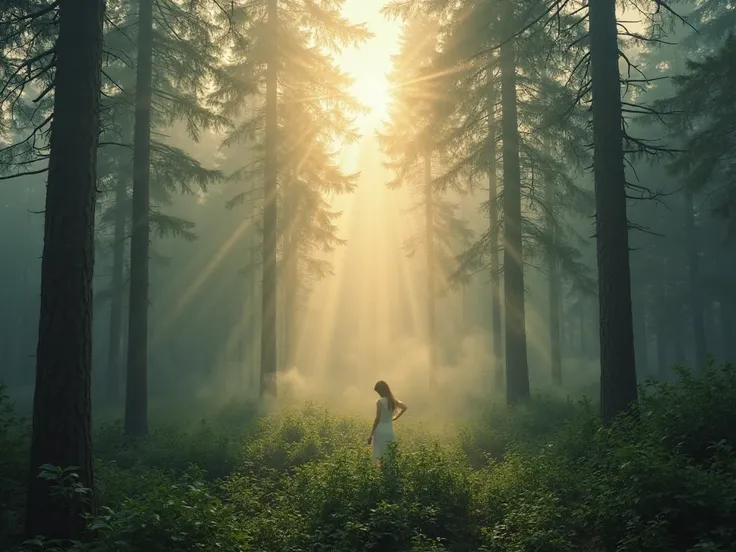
542	477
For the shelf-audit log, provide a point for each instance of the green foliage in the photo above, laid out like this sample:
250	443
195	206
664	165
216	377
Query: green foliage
316	113
14	434
543	476
172	448
526	428
183	516
704	101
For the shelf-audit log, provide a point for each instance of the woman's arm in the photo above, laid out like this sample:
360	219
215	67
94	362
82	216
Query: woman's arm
402	408
375	422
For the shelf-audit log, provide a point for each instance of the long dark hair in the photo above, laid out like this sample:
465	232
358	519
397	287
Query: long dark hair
384	390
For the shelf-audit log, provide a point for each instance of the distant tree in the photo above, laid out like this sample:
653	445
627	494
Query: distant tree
550	148
176	54
412	142
703	99
283	49
62	406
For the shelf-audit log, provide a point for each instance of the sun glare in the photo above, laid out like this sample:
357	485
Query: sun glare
371	90
370	63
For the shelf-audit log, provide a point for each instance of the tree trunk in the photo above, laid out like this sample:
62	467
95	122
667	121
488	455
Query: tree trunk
62	413
641	338
136	393
581	330
517	368
291	293
269	357
114	360
253	325
291	276
431	267
696	302
553	290
618	368
663	363
727	325
496	328
678	337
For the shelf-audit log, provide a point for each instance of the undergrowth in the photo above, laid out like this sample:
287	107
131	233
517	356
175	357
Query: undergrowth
541	477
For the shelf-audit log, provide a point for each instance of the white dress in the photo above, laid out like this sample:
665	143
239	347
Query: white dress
384	430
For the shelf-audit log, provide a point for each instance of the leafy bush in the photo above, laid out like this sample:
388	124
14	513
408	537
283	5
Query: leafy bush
544	477
500	430
295	437
694	414
14	441
182	517
211	448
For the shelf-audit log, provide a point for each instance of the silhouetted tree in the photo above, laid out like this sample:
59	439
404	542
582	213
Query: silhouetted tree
62	416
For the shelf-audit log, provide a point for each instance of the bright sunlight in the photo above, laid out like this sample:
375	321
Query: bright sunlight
370	63
240	313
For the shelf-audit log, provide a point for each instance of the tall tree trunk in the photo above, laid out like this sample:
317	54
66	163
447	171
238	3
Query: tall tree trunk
696	302
253	326
728	327
663	362
581	329
678	337
497	335
269	357
136	392
291	293
431	268
114	359
641	337
291	276
517	368
553	289
618	364
62	413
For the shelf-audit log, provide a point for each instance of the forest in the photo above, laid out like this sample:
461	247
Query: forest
222	221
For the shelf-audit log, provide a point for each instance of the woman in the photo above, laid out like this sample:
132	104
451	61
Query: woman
383	426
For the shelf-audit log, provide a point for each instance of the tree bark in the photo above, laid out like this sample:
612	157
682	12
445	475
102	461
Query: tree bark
696	302
517	368
618	368
728	326
553	290
663	363
496	328
641	337
136	396
269	357
62	413
114	358
253	322
291	276
581	330
431	267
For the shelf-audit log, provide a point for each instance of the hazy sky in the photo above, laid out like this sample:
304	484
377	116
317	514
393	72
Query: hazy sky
370	63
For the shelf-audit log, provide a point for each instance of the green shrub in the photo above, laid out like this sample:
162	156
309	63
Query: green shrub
500	430
14	456
181	517
542	477
693	414
211	448
294	437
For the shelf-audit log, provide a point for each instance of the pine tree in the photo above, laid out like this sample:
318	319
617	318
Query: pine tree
62	403
285	54
469	37
408	142
176	53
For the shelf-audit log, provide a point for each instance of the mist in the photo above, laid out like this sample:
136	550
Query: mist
408	276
